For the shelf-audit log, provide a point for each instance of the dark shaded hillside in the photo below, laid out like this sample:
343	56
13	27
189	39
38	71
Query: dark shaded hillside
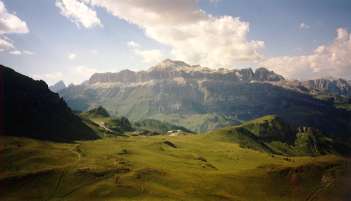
30	109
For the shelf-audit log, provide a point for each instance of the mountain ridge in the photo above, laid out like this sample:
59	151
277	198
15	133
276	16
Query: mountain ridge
30	109
171	69
203	99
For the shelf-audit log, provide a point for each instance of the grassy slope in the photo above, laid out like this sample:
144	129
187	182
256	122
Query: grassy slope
197	122
158	126
345	106
103	124
270	134
147	168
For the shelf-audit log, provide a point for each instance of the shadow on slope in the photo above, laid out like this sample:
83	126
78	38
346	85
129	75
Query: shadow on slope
30	109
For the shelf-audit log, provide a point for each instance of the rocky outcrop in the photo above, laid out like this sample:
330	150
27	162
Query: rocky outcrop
329	89
169	69
262	74
332	86
201	99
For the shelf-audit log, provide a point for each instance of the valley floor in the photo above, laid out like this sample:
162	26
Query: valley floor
190	167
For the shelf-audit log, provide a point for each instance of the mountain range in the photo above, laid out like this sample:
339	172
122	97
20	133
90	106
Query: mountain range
298	153
202	99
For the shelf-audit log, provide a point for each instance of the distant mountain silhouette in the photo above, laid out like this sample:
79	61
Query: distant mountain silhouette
58	86
29	109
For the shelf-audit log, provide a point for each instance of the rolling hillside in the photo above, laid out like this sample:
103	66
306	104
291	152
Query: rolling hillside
190	167
271	134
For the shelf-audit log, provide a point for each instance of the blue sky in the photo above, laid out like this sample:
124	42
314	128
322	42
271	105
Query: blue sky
71	39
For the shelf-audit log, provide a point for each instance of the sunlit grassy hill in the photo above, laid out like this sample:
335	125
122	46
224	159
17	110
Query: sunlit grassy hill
100	121
185	167
271	134
262	159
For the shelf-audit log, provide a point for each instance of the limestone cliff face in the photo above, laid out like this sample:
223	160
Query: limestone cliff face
200	98
333	86
169	69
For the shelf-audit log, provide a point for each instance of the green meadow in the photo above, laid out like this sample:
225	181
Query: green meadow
182	167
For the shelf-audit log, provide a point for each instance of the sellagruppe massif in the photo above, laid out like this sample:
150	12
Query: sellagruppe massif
202	99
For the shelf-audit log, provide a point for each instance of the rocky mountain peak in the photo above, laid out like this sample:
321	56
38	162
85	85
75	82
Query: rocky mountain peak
173	69
333	86
263	74
245	74
168	63
58	86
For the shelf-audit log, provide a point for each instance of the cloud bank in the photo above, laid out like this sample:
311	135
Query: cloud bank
149	56
197	37
79	13
326	60
192	35
75	75
9	24
5	44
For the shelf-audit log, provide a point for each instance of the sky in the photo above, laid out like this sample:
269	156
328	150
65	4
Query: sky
70	40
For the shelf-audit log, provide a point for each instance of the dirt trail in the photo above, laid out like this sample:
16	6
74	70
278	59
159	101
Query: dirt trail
102	125
76	151
319	189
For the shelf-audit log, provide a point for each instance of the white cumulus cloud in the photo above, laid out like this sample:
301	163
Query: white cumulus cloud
19	52
75	74
15	52
50	78
151	56
27	52
94	52
5	44
304	26
10	23
79	13
193	35
84	70
72	56
326	60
